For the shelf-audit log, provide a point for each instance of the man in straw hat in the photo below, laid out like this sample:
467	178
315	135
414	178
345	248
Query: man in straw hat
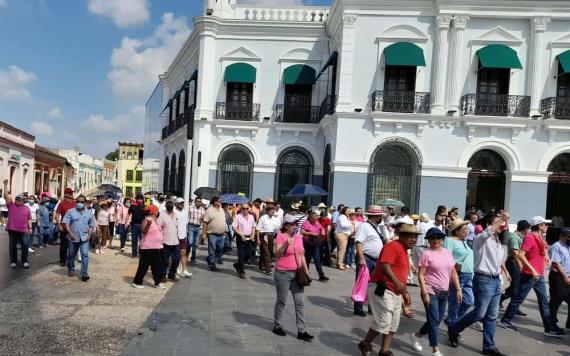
369	242
387	289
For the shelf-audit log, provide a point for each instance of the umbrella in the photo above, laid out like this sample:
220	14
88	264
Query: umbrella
102	190
233	199
207	193
307	190
152	192
390	202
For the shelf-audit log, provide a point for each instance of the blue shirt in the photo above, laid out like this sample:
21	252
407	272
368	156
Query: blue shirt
43	215
462	253
560	253
80	222
334	217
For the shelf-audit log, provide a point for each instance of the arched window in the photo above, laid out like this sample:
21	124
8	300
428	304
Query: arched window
395	173
173	173
181	172
294	166
235	170
166	174
486	181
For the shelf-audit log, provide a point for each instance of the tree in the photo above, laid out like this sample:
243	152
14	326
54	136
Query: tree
112	156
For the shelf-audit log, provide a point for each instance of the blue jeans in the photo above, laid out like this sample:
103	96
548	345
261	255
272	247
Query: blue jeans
515	273
135	237
215	248
314	252
371	264
72	249
350	253
122	232
434	315
456	311
193	238
487	292
43	234
528	283
172	251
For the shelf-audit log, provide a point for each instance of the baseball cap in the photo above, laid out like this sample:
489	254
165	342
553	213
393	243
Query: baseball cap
68	191
19	197
537	220
565	232
179	200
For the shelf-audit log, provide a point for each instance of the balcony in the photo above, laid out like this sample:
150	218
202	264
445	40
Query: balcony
179	121
164	132
237	111
495	105
401	101
555	108
171	127
297	113
328	106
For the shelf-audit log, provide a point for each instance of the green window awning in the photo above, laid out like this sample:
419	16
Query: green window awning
404	54
240	73
498	56
564	60
299	74
332	59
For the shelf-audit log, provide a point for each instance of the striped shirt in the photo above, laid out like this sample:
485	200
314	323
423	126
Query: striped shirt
196	215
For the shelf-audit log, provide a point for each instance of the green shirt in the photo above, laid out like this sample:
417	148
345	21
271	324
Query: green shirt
514	243
462	253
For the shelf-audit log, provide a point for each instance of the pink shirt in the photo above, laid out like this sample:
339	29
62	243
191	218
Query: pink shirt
534	247
122	213
168	223
152	239
439	266
287	262
244	225
18	216
313	228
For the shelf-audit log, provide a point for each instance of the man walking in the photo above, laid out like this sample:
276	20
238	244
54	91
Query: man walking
170	245
244	230
513	263
66	204
532	256
79	224
266	228
19	224
369	243
195	220
136	216
182	217
559	277
214	226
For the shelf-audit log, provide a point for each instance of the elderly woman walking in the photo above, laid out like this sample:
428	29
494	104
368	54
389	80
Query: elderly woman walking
343	229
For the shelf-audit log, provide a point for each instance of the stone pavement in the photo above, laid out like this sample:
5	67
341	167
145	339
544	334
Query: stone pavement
45	312
220	314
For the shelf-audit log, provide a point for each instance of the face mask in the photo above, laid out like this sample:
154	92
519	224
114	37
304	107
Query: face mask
127	204
80	206
139	202
31	202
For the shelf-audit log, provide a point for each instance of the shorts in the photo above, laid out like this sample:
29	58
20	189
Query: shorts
182	244
386	310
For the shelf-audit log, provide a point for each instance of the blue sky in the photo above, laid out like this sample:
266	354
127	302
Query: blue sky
78	72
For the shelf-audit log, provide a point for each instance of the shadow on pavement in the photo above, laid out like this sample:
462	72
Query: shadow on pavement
338	307
253	320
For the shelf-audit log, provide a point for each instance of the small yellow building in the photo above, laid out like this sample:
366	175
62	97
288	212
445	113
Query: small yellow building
129	168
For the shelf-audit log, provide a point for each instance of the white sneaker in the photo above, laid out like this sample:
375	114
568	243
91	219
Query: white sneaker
138	286
30	250
187	274
79	258
26	265
101	252
122	249
97	252
12	265
160	286
437	353
416	342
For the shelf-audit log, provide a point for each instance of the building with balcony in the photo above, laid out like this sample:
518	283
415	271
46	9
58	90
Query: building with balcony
50	172
425	101
130	168
16	160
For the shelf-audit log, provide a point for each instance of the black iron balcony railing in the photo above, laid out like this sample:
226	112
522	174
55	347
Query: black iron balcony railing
185	118
328	106
164	132
297	113
495	105
237	111
179	121
189	120
555	108
401	101
171	127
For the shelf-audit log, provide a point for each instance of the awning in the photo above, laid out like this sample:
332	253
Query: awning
194	76
564	59
498	56
332	59
240	73
299	74
404	54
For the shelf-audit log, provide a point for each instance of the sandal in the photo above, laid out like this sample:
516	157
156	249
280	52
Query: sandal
408	312
365	348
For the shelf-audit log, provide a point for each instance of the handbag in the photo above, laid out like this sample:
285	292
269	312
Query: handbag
302	277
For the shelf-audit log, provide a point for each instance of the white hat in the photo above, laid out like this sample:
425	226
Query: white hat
403	220
537	220
290	219
322	206
179	200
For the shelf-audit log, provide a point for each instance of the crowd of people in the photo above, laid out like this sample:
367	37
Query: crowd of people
464	269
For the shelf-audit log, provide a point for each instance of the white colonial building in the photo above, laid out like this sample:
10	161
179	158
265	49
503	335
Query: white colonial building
429	102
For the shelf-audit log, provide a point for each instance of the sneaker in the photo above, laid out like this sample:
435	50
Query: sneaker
507	325
138	286
279	331
85	278
242	275
71	274
416	343
305	336
323	279
30	250
520	313
186	274
26	265
453	338
174	279
555	333
122	249
477	326
97	251
160	286
493	352
359	313
12	265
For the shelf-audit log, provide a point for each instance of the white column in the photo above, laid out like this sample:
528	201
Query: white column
535	70
206	75
455	72
344	81
440	65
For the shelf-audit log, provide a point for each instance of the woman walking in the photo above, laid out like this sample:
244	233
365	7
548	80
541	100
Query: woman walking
123	221
290	256
150	249
436	269
112	220
102	227
343	230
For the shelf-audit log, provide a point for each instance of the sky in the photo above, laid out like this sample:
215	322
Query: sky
79	72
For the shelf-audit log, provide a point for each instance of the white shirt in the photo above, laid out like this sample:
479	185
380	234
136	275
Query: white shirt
182	216
423	227
343	225
280	214
488	253
471	234
268	224
33	209
369	236
3	206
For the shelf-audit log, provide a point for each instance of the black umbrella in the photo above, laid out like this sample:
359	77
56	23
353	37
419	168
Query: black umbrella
152	192
207	193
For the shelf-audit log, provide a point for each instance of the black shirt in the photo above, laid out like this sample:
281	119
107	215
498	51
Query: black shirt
137	214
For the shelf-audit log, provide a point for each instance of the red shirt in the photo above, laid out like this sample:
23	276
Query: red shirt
325	223
63	207
396	256
535	248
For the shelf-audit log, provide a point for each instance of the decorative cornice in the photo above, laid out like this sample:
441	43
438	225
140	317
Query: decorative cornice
349	20
445	172
460	22
527	176
443	22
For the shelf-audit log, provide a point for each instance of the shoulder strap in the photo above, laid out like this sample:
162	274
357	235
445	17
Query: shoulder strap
378	232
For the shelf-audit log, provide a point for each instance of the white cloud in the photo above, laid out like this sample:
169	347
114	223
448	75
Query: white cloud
137	63
3	3
131	122
14	83
41	128
124	13
55	113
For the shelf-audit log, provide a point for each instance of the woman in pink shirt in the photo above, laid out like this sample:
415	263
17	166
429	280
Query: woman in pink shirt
437	267
290	256
150	249
122	221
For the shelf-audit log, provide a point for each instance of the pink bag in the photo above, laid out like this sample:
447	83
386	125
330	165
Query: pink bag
359	292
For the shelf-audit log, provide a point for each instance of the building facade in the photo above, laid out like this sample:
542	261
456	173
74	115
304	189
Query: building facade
72	158
110	175
49	172
423	101
90	173
130	168
16	160
152	137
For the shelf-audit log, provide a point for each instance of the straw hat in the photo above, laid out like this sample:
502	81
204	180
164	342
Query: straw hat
295	206
374	210
322	206
409	229
456	224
